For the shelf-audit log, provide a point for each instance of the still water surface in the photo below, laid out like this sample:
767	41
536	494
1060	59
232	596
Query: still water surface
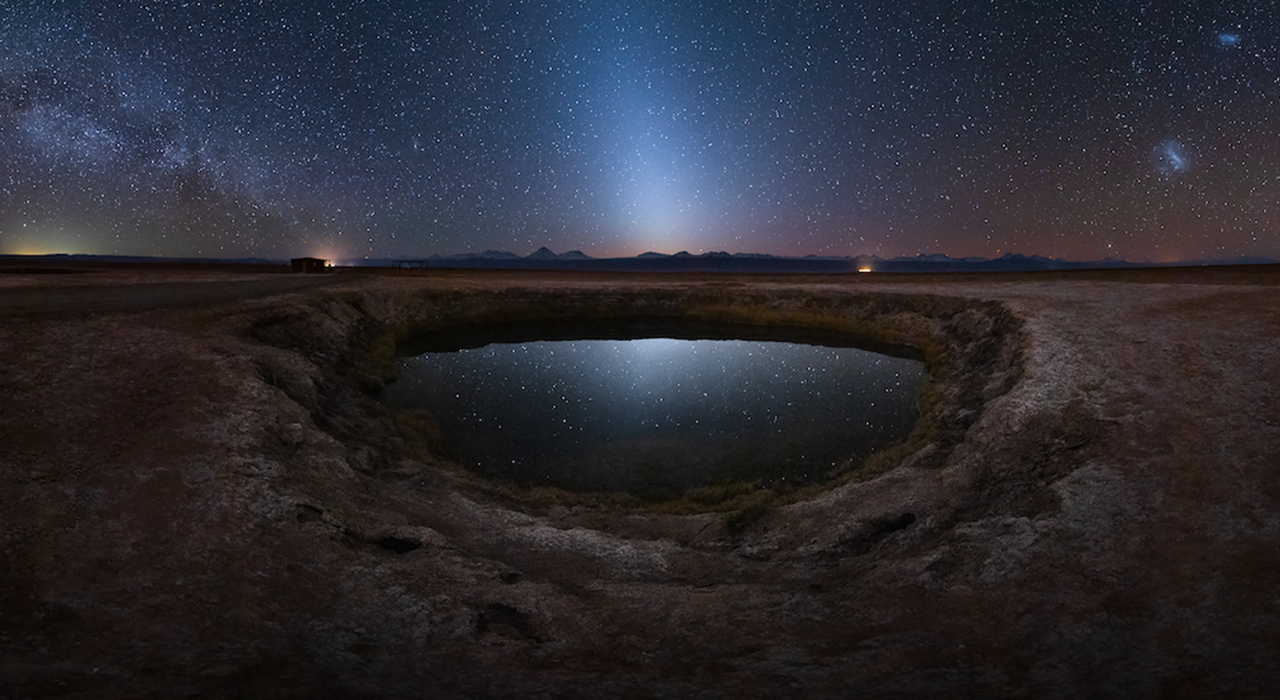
658	415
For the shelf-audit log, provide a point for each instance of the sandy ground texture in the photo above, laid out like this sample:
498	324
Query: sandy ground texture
205	500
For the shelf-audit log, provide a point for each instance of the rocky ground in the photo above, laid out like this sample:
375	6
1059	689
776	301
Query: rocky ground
204	499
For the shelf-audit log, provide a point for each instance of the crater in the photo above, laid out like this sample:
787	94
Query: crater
337	355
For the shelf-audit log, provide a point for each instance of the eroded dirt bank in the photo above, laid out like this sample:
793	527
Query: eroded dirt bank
208	502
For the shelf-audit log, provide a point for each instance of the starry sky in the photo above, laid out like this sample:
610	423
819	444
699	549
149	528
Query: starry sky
1083	130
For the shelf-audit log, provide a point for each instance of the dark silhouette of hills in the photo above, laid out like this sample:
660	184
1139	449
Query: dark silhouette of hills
719	261
84	257
684	261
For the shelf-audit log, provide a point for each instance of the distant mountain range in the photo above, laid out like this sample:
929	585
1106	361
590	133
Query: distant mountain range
684	261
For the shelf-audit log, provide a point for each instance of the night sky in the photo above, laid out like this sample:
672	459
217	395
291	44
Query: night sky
1144	131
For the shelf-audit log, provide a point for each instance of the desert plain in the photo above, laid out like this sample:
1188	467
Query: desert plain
202	497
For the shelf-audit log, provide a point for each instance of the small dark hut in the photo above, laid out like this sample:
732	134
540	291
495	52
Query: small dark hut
309	265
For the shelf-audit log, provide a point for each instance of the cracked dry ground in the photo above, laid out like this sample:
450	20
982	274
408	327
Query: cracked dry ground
190	509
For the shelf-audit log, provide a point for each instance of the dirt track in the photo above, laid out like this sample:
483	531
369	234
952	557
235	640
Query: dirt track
195	504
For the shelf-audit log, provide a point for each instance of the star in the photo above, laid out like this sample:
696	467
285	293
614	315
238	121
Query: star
254	129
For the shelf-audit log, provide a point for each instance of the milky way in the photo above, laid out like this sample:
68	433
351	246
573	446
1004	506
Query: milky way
387	129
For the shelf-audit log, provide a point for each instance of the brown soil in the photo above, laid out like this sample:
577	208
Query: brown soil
203	497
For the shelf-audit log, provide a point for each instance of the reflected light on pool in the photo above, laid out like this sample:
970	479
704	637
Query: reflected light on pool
659	414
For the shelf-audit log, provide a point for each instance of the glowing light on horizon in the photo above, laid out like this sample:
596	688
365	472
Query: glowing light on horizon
44	239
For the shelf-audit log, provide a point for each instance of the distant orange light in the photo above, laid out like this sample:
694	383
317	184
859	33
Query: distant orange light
864	269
